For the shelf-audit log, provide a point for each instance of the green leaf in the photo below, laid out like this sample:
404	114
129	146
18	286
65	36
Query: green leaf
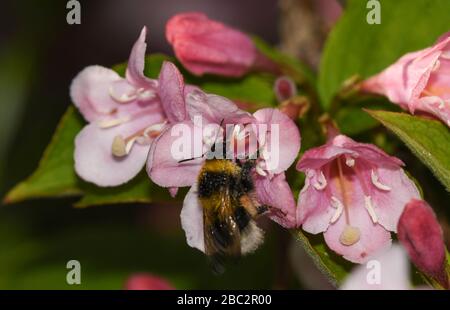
428	139
355	47
352	120
251	92
334	267
138	190
55	175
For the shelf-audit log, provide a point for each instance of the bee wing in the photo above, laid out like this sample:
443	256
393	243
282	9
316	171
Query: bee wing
222	234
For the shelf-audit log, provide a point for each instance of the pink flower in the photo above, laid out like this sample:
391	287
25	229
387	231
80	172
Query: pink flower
419	232
166	170
270	185
354	193
124	115
418	81
207	46
145	281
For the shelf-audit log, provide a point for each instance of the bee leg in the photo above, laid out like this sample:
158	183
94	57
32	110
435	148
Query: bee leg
276	211
260	210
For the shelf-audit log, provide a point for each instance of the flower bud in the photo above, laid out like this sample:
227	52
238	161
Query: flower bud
420	233
145	281
204	46
284	88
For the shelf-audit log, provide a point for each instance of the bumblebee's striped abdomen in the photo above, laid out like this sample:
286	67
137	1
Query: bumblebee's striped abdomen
211	181
217	175
225	194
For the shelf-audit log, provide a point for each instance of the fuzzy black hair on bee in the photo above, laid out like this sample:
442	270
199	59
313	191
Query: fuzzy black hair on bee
226	194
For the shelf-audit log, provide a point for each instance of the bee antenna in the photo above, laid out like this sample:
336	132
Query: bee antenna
213	148
188	159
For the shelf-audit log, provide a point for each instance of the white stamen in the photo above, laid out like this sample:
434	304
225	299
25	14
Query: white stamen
337	204
436	66
377	183
265	154
260	169
350	162
369	208
145	94
107	123
130	145
124	98
321	182
144	140
441	104
149	133
155	128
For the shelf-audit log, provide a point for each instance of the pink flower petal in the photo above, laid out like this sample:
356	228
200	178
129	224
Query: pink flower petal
373	237
95	163
367	151
173	191
416	76
171	92
90	92
192	220
315	158
389	204
435	106
284	149
136	63
277	194
314	211
215	109
166	170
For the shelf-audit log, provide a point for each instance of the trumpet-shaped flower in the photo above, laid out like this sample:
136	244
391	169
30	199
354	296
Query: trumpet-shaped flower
418	81
354	193
124	115
270	185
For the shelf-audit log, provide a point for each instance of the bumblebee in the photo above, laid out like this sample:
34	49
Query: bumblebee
226	194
